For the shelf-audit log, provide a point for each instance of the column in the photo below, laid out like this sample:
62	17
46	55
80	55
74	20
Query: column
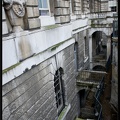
90	51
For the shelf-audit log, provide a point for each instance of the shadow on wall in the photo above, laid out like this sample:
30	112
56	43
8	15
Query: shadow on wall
99	68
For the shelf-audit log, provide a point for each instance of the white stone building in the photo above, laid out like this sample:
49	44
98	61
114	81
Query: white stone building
45	44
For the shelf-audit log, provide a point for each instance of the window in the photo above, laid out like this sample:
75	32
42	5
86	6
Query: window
113	9
85	48
76	55
58	86
43	7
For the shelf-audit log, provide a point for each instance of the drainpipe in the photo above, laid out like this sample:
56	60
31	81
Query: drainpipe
75	55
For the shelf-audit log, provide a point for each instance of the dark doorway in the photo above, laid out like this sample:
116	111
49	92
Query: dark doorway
99	68
82	97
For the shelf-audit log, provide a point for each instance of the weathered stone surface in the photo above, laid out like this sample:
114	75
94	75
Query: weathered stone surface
31	95
32	12
32	3
62	11
4	27
34	23
3	14
77	4
77	0
77	8
62	19
62	4
77	12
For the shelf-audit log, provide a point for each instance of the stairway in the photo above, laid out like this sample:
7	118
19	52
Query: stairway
88	110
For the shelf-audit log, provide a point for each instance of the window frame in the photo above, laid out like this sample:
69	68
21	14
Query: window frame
58	77
44	9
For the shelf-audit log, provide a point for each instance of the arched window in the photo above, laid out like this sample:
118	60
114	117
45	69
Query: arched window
58	86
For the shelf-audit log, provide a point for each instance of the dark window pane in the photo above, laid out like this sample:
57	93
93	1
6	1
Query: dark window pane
58	91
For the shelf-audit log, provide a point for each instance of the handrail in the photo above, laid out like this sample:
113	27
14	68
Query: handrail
97	95
108	63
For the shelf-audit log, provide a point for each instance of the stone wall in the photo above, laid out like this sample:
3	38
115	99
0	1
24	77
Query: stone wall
32	15
104	5
4	22
77	8
62	11
86	5
80	37
31	95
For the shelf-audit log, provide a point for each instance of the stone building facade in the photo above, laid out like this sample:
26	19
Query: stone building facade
43	42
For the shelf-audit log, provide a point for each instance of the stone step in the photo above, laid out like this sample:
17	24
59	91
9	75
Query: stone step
87	112
89	103
83	119
90	95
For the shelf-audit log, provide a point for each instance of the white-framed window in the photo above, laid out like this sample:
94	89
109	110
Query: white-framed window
43	7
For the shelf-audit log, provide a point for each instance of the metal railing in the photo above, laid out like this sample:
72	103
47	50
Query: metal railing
108	63
98	106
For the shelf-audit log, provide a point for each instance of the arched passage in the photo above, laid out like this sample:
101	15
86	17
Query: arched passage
99	44
99	68
107	31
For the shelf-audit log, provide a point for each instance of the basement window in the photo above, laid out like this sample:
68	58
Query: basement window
59	93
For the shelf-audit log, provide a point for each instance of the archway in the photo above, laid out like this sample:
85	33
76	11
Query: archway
99	43
99	68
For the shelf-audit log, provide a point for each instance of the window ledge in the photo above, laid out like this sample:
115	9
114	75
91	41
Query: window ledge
64	112
85	59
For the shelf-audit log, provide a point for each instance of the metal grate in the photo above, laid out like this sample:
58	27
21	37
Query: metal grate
58	87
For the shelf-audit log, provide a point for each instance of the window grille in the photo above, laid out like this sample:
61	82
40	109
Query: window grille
59	94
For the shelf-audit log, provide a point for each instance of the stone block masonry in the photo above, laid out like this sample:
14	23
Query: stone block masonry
31	95
80	39
32	15
62	11
77	8
4	23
